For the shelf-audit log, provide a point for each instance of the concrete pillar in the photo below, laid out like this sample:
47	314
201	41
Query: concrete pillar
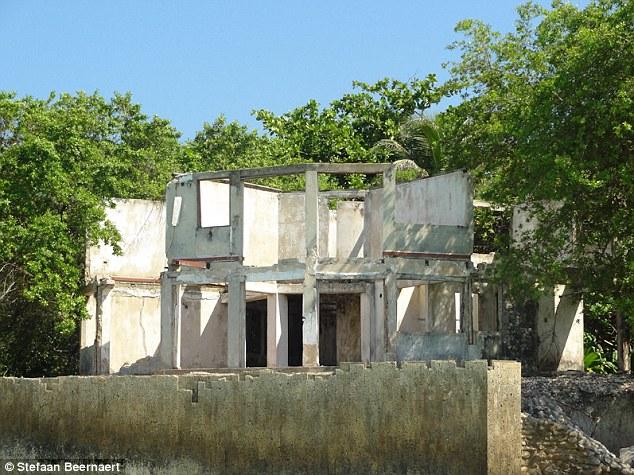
236	212
236	323
367	322
277	331
377	351
177	322
389	204
391	299
103	317
171	305
475	311
165	346
467	311
425	297
560	330
311	294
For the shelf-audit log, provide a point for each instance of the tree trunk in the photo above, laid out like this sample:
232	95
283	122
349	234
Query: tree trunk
623	344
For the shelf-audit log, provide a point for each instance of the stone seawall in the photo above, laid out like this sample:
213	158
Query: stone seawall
421	418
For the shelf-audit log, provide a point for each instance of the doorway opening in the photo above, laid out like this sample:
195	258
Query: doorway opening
256	333
295	333
339	328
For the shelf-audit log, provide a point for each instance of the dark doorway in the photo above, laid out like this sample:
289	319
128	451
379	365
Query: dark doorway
295	334
328	309
339	328
256	333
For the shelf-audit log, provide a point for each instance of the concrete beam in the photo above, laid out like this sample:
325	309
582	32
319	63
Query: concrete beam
329	168
329	287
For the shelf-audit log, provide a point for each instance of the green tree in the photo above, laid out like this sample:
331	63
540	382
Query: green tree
546	117
347	129
418	140
226	146
61	162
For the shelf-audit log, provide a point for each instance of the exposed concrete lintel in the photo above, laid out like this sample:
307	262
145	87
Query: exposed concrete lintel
330	168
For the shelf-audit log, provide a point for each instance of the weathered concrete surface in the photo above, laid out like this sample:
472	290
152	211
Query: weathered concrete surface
418	419
560	330
419	346
432	215
195	233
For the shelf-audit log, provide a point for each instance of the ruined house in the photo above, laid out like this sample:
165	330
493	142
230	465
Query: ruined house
226	273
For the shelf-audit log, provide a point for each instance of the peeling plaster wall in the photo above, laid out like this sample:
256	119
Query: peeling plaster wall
135	324
441	419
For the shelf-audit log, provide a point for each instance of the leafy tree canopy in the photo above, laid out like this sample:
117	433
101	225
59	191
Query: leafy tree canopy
61	161
348	128
546	117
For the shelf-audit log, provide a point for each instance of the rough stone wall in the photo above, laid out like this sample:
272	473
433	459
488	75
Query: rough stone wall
577	423
434	419
550	447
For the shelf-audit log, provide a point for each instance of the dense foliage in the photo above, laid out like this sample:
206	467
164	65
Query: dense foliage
546	118
61	160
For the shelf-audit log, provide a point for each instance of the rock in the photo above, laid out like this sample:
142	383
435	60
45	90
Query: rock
626	454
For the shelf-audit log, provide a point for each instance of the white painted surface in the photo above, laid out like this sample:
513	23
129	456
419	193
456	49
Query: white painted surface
214	203
141	224
350	229
261	232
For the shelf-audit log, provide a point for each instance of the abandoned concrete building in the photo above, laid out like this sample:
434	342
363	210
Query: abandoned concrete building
228	274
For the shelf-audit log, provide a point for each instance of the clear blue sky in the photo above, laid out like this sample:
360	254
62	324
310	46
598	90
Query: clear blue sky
189	61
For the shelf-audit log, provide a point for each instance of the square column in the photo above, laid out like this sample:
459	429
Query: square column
103	319
367	322
310	329
377	350
277	331
171	295
467	311
391	316
236	323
